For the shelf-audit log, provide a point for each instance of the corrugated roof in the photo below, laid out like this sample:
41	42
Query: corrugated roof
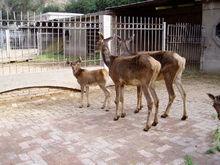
153	3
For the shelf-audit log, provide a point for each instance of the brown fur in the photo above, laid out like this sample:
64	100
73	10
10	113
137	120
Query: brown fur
138	70
216	103
86	78
172	66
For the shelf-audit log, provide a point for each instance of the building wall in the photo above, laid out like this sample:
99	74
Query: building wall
211	56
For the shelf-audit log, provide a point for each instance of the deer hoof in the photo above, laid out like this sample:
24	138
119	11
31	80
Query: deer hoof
88	105
123	115
81	106
116	118
103	107
106	110
146	128
184	117
154	123
164	116
137	110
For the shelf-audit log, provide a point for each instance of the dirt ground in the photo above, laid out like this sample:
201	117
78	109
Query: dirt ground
53	130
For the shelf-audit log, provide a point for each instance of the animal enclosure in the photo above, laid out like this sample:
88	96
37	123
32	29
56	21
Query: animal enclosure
31	43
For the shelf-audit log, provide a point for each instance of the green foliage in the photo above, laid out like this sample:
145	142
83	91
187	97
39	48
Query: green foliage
188	160
51	8
89	6
21	5
216	141
81	6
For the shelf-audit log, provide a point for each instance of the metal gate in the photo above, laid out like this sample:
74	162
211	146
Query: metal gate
36	43
152	34
185	39
34	48
149	33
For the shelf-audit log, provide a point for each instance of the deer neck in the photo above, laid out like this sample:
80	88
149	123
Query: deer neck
78	72
105	55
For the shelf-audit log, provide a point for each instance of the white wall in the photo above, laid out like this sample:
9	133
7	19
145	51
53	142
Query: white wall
210	61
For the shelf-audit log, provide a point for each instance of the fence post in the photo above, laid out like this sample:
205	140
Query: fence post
164	36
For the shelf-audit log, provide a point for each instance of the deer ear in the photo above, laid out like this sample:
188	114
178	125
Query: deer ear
211	96
80	59
101	37
108	39
118	38
130	39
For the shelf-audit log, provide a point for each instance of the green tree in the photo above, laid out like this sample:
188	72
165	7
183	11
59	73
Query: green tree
21	5
51	8
88	6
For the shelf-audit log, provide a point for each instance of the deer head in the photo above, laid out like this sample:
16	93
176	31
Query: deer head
216	103
102	45
75	65
124	45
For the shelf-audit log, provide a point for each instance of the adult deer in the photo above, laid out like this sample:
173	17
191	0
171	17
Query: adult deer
86	78
138	70
172	67
216	103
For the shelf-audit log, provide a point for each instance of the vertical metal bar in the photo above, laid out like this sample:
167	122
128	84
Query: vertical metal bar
74	37
133	28
63	30
70	36
90	39
141	37
28	37
58	42
124	28
115	27
128	31
194	47
94	40
1	41
148	33
80	39
164	36
35	46
137	36
167	37
152	34
144	33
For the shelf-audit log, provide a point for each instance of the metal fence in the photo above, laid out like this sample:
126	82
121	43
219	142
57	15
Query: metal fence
149	33
185	39
33	43
152	34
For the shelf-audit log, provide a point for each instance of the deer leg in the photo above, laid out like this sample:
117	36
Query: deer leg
179	86
117	90
82	93
107	96
169	86
156	103
149	99
87	96
139	99
123	114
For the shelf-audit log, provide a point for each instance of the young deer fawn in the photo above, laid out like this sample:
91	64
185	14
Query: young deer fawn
216	103
86	78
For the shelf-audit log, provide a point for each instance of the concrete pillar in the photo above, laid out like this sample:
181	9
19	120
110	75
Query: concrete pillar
210	60
106	29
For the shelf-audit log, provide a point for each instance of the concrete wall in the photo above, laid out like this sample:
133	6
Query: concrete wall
210	61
